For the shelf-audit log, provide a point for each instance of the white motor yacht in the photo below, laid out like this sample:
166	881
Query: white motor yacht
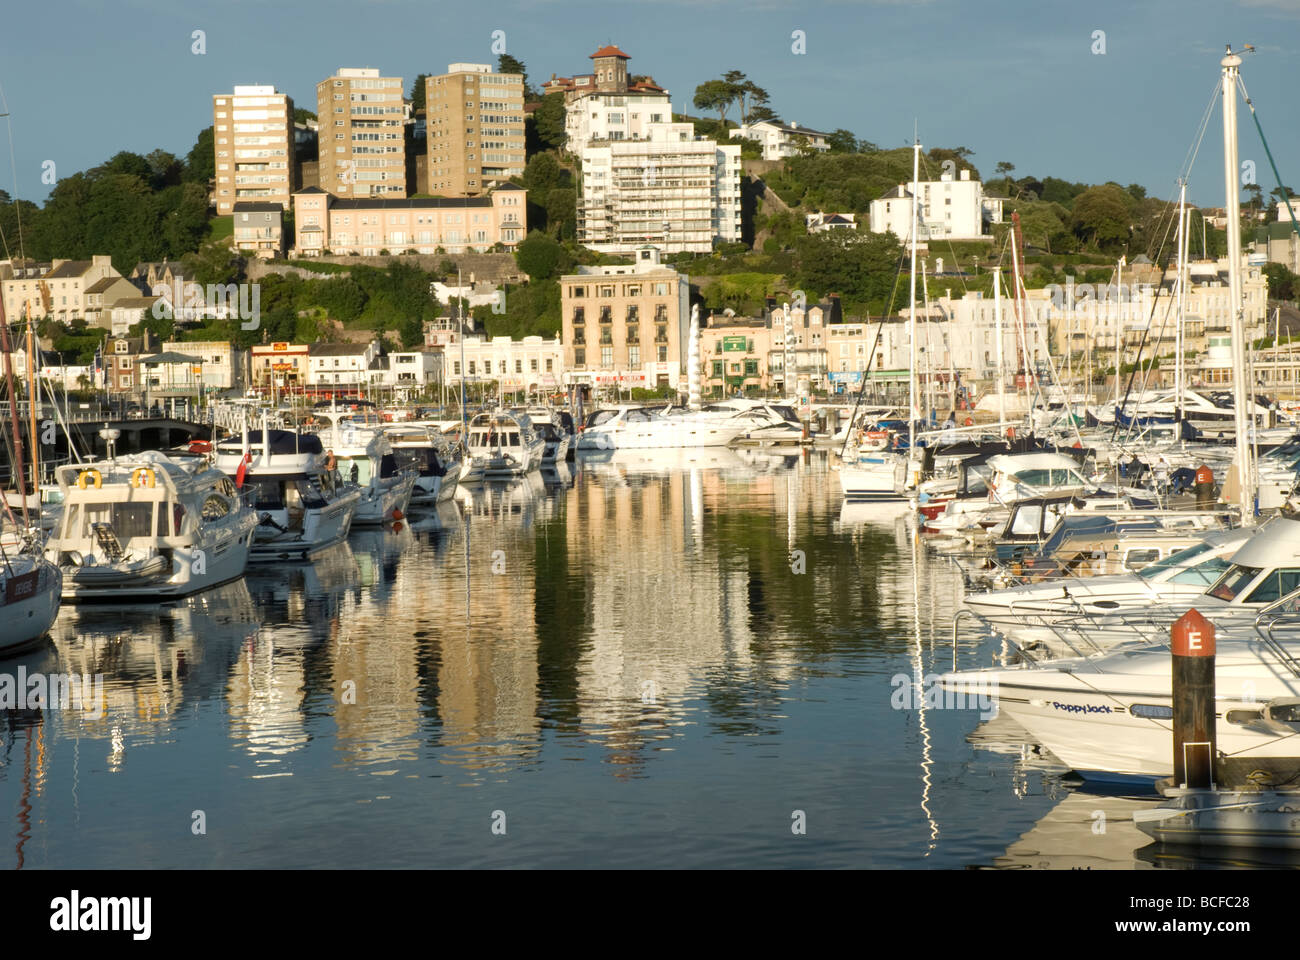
502	444
302	505
436	459
149	525
364	456
642	428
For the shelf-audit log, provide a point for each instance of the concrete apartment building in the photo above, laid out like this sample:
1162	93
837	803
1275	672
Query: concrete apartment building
189	368
674	191
474	127
362	146
951	209
625	324
253	142
340	367
783	140
408	370
368	226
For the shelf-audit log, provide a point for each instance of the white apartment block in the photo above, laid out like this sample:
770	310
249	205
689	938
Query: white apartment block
614	116
671	190
783	140
253	142
362	148
949	210
533	363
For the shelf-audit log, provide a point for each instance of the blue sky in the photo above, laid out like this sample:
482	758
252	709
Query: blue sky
1012	80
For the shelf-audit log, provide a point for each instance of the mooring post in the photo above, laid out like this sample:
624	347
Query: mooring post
1192	644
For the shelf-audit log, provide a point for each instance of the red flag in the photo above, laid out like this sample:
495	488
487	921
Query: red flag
243	470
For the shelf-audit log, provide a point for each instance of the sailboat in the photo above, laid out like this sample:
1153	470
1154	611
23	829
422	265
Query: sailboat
882	475
31	587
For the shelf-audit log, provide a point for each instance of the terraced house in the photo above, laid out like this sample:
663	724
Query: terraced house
325	224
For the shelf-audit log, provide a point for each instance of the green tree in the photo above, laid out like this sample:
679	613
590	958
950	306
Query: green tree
1101	217
417	92
541	256
842	141
200	162
215	262
548	123
1283	284
859	266
715	95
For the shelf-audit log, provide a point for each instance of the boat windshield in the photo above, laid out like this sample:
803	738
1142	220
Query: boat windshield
1234	581
1183	558
355	469
1275	586
1056	477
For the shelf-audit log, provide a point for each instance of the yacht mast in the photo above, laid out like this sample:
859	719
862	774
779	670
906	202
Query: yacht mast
911	325
1182	299
1241	389
1001	372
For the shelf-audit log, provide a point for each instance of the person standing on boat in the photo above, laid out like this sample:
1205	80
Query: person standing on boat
1161	474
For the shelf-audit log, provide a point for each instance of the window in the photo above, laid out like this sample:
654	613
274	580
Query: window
580	357
519	366
548	364
717	368
606	356
579	316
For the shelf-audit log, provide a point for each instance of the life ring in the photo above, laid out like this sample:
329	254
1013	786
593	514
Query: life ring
330	461
970	421
92	477
143	477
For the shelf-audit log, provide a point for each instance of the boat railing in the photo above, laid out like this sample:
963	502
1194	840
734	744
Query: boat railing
1280	612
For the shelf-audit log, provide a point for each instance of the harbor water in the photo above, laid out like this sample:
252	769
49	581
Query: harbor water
655	659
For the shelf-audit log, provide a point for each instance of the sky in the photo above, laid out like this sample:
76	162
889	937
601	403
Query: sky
1022	81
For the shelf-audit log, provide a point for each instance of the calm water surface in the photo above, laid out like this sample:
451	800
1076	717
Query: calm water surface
658	660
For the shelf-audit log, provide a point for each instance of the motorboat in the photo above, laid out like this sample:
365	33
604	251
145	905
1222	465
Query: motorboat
302	504
436	459
1110	716
639	428
149	525
502	444
1182	575
364	456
